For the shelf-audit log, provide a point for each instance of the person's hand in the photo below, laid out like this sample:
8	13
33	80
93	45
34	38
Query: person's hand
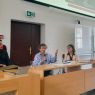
56	52
2	65
43	60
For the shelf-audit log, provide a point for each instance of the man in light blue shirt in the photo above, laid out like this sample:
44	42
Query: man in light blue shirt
44	58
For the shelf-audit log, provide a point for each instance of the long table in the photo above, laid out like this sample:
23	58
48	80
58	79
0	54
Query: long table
73	82
27	84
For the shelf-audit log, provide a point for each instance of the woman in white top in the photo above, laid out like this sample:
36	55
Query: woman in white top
70	56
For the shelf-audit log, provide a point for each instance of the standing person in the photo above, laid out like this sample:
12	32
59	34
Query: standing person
4	58
44	58
71	56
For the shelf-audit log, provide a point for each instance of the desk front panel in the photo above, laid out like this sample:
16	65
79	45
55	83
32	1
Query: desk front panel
64	84
90	79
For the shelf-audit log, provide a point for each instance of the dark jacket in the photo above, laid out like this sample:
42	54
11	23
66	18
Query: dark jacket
4	58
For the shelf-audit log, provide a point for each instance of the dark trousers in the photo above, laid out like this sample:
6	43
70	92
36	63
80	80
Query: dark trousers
48	72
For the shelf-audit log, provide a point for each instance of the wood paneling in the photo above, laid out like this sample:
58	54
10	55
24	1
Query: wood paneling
90	79
65	84
23	85
1	74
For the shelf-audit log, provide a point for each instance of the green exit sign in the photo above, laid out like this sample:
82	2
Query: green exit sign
30	14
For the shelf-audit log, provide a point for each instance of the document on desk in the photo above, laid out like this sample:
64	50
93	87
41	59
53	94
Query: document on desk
9	67
86	66
62	64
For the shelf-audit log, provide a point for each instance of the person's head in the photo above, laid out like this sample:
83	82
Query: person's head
71	49
42	48
0	41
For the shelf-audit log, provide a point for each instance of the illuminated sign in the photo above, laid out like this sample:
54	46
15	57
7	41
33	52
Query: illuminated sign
30	14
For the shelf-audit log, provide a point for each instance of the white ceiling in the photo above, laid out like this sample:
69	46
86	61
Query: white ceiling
90	4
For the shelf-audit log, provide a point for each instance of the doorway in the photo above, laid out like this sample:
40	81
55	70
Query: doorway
25	38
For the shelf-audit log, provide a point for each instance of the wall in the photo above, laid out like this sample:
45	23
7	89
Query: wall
57	26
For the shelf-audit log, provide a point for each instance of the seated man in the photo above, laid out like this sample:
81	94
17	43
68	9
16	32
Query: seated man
44	58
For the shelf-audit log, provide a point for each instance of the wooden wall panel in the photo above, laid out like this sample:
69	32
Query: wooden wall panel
66	84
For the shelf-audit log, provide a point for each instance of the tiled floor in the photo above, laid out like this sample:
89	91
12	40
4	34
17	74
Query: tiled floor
89	93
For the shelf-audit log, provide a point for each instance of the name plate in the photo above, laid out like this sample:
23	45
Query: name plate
86	66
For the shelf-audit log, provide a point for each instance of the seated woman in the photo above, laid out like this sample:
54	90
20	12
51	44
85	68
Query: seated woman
70	56
4	58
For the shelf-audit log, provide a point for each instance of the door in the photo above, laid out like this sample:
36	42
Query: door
25	37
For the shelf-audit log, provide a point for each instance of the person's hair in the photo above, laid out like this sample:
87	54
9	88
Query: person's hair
42	45
0	40
73	48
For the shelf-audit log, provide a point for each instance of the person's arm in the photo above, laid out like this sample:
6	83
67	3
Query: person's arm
37	60
75	58
66	59
54	59
2	65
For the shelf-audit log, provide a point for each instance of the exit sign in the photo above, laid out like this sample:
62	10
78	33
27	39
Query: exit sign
30	14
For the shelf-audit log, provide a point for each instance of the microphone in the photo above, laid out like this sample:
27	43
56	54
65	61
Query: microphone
63	56
45	57
44	54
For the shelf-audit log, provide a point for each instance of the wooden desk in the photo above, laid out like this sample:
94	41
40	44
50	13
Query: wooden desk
70	66
34	83
1	74
71	83
90	79
28	84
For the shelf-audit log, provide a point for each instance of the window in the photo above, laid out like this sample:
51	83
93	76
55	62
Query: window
79	38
